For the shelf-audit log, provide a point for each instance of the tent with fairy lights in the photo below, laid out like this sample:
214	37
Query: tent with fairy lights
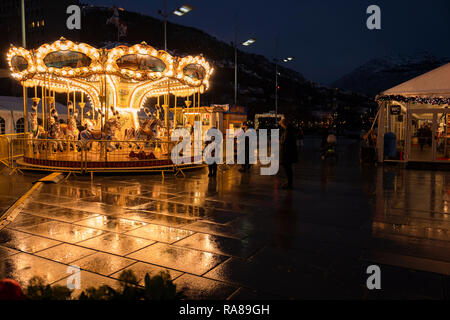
414	119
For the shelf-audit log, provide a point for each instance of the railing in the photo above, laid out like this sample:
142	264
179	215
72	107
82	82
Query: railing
9	150
95	155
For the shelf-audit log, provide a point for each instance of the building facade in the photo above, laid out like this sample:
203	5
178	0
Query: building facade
45	22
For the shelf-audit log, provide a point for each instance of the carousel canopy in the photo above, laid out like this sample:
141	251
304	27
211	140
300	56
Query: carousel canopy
124	75
433	84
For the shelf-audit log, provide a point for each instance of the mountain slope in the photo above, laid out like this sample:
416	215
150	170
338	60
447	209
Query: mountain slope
256	74
380	74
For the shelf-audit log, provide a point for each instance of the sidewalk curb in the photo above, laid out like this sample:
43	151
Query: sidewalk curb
10	214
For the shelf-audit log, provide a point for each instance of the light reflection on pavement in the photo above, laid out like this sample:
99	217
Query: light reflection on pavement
241	236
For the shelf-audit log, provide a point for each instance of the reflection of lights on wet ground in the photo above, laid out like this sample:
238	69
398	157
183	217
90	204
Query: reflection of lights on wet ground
210	245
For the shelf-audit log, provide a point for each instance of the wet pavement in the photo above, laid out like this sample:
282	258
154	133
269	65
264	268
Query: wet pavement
241	236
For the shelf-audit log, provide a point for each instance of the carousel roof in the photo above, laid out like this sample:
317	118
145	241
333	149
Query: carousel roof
433	84
139	63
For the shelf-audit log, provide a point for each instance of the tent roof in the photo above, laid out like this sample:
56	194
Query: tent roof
16	104
433	84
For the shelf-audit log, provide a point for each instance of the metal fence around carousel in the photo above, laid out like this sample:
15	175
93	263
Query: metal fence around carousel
93	155
9	151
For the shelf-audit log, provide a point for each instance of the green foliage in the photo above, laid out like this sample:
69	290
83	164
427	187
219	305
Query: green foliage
38	290
101	293
158	287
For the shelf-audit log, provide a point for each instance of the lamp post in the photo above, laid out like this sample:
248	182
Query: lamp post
247	43
24	44
181	11
288	59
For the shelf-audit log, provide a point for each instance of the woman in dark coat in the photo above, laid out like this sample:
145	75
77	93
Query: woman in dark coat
288	150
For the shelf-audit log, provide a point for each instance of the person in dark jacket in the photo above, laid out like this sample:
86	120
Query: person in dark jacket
288	150
246	166
213	166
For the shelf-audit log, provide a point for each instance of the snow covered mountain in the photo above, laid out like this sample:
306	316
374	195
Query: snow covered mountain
383	73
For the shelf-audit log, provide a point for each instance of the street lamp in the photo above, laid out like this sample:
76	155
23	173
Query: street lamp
288	59
24	45
246	43
181	11
249	42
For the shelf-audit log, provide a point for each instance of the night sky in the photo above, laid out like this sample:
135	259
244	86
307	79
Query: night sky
329	38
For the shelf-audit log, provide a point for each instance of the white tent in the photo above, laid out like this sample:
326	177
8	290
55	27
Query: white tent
422	102
11	111
433	84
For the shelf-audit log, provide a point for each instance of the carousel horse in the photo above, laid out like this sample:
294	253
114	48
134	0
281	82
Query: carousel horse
52	137
143	130
88	136
113	125
37	132
146	133
70	131
55	133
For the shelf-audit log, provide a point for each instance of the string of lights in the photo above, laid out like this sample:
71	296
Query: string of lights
415	100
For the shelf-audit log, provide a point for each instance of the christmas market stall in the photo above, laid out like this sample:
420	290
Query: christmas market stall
414	119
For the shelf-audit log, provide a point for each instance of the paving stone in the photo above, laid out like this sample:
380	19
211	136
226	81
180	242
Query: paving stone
140	269
88	280
182	259
5	252
62	231
220	245
66	215
198	288
103	263
24	220
112	224
118	244
415	263
23	266
216	229
160	233
65	253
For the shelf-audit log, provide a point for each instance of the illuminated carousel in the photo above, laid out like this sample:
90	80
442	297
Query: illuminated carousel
111	124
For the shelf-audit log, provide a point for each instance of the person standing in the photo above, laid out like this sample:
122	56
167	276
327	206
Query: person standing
246	165
212	167
288	151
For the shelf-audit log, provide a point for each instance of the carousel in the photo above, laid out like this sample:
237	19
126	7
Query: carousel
120	103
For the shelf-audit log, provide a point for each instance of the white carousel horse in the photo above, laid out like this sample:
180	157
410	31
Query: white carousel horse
70	131
55	133
113	125
90	134
37	132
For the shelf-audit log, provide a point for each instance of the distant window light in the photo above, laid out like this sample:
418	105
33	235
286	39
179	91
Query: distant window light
37	24
32	24
43	23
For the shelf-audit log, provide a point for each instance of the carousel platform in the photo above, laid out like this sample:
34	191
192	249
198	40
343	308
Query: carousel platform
113	163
